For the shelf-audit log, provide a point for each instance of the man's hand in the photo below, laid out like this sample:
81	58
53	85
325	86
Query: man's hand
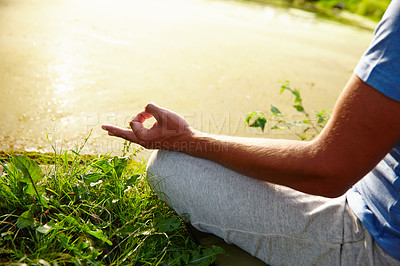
169	132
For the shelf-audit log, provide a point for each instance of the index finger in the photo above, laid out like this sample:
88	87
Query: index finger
141	117
124	133
157	111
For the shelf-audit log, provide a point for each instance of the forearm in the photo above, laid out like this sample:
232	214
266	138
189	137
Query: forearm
296	164
358	135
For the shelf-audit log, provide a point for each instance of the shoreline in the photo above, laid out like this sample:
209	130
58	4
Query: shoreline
342	16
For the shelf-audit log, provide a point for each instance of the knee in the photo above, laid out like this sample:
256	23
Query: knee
158	164
165	174
154	167
152	163
162	165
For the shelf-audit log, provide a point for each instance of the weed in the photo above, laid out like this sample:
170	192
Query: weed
90	210
305	129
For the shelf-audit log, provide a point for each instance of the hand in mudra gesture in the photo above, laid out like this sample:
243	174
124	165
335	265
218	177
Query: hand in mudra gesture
168	132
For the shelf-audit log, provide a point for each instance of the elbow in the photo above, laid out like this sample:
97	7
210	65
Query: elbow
335	185
326	188
324	185
334	175
333	193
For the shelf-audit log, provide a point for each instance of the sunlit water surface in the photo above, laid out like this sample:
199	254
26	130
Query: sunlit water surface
67	66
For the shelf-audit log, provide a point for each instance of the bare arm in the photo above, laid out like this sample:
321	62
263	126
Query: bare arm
363	127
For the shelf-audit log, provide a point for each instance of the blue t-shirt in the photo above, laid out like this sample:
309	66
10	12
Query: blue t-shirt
375	199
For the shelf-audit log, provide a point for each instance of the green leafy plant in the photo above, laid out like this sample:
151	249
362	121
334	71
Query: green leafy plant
89	210
306	128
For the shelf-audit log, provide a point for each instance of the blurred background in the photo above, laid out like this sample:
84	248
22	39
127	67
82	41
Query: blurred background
68	66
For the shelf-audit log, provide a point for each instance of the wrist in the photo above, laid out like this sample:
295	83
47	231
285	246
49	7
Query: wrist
203	145
189	143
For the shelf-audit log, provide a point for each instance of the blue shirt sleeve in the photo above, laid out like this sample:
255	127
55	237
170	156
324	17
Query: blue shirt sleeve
380	64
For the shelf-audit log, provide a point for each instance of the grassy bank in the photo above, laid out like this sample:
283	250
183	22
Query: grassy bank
338	10
88	210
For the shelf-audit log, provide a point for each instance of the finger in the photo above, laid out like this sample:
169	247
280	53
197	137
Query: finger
107	127
154	125
137	123
120	132
157	111
141	133
141	117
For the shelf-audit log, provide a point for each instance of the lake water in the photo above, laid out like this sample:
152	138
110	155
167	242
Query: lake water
67	66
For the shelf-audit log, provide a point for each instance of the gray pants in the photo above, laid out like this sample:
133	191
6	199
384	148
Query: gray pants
276	224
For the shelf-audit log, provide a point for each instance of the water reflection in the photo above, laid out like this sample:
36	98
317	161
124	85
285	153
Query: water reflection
62	77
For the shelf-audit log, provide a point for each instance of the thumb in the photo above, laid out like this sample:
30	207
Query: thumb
140	131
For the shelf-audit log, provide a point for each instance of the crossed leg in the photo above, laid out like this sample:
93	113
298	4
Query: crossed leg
276	224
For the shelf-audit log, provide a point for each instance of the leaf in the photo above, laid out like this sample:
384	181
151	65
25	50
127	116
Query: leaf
207	257
275	111
321	117
28	167
97	234
218	249
285	86
132	180
31	174
299	108
82	245
92	177
296	93
103	165
69	219
116	164
100	235
261	122
186	258
251	116
44	229
168	225
276	127
119	164
248	117
26	219
64	240
256	119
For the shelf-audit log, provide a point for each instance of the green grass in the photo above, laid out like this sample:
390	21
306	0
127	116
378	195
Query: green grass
370	9
373	9
88	210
